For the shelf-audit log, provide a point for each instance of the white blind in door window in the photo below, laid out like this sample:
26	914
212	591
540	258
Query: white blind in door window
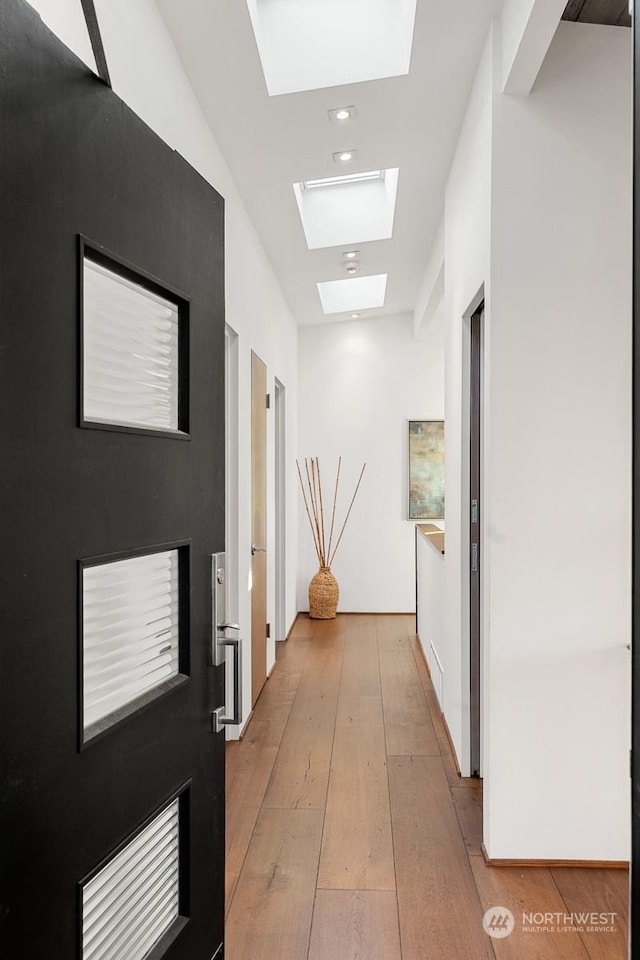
130	338
130	630
134	899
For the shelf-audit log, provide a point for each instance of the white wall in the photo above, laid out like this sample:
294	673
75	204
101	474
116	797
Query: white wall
538	217
467	258
430	297
557	708
359	383
156	87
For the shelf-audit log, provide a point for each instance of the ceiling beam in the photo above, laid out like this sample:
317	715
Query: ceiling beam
95	36
528	27
608	12
573	10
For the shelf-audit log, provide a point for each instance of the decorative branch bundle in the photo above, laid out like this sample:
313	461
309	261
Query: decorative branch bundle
314	505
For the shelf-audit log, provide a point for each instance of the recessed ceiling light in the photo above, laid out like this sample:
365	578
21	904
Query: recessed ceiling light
350	254
344	156
354	316
342	114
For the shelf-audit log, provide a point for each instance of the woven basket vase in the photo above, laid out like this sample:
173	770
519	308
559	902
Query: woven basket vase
323	595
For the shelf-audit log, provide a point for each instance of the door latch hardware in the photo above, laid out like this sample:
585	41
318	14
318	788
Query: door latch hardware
220	641
474	557
220	718
474	511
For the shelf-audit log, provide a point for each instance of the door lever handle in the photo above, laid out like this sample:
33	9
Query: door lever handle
220	718
228	626
255	549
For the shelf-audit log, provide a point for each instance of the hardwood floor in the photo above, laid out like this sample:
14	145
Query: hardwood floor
350	834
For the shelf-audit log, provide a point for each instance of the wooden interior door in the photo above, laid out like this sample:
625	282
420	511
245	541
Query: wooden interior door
112	439
258	526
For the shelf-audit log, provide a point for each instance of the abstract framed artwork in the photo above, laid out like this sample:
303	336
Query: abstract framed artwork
426	470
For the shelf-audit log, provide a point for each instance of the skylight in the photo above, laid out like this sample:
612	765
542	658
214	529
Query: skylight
348	210
345	296
347	178
308	44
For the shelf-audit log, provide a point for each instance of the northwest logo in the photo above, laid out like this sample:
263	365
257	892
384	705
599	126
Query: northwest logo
498	922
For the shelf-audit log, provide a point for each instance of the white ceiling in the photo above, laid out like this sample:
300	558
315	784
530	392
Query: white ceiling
271	142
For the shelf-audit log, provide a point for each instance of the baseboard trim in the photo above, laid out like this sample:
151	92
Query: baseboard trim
244	726
293	623
364	613
582	864
423	654
378	613
453	749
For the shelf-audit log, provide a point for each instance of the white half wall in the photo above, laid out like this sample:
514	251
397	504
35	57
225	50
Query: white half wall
359	384
156	87
430	609
557	705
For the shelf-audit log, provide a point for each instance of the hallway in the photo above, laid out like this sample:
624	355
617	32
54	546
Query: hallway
350	835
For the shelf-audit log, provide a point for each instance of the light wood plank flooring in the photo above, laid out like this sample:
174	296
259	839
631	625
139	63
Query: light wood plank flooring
350	835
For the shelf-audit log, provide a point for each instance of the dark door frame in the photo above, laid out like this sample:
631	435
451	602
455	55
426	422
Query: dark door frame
475	538
634	918
259	627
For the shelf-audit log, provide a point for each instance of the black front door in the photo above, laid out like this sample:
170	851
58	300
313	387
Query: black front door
112	502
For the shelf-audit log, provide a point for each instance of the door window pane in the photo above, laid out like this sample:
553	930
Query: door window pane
130	641
130	352
133	900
